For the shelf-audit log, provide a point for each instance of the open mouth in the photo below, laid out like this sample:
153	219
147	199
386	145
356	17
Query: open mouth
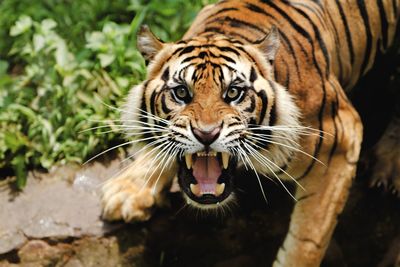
207	177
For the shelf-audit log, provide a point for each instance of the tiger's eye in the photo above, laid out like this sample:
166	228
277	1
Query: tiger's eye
181	92
233	92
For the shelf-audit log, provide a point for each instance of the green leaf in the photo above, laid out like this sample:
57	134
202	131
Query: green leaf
106	59
47	25
18	164
3	67
23	24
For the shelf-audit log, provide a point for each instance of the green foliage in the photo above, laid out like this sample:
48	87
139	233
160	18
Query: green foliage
61	63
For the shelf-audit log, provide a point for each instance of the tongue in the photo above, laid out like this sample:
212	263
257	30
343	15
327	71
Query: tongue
206	171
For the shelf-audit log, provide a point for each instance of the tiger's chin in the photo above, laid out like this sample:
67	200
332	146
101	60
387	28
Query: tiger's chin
207	179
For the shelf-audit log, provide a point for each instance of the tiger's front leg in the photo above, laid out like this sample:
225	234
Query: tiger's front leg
133	194
326	190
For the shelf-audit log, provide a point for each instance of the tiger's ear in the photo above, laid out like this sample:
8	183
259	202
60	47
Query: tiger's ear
269	45
147	43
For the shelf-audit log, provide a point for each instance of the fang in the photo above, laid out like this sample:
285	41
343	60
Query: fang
219	189
225	160
188	160
195	188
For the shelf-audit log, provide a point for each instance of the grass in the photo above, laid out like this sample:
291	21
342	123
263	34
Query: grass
61	63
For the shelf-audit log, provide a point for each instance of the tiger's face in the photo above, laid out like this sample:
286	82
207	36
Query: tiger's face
204	107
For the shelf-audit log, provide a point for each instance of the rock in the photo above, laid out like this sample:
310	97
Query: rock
51	206
94	252
38	252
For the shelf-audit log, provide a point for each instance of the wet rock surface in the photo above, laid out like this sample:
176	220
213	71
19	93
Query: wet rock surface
59	205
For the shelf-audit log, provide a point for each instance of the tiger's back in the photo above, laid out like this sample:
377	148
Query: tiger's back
339	37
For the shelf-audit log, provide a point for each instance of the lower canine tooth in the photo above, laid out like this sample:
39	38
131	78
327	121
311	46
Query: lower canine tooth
195	188
219	189
225	160
188	160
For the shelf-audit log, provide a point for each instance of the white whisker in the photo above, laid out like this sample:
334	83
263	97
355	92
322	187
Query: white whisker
290	147
255	171
248	147
264	158
121	145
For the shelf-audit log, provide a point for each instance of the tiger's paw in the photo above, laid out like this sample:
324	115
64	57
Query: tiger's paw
386	170
123	199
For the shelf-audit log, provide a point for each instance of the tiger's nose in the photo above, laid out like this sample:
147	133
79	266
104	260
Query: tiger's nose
207	137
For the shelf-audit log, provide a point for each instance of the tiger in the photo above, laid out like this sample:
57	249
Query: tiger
261	86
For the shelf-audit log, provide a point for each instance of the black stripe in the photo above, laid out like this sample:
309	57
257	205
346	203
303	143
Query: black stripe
186	50
189	59
319	39
293	54
286	40
143	109
153	102
334	114
165	75
223	10
237	23
164	107
384	24
286	83
334	107
252	106
253	75
235	124
264	104
317	13
228	59
255	8
250	57
337	46
215	29
303	50
315	63
347	30
318	2
228	49
365	18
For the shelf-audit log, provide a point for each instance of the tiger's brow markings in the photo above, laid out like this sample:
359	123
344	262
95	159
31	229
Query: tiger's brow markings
165	75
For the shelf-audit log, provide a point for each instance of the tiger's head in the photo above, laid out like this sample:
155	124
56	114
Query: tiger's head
209	106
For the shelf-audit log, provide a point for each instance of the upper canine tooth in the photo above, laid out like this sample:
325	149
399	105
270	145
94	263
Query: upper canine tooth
219	189
225	160
188	159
